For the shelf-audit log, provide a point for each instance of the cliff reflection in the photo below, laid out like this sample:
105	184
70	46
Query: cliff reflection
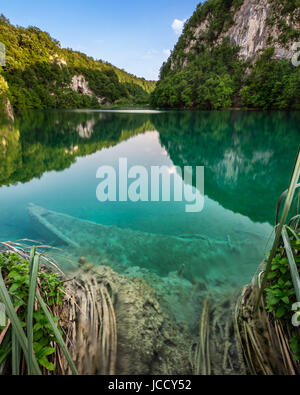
248	156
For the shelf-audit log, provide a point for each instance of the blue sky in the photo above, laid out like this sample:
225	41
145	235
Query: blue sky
132	34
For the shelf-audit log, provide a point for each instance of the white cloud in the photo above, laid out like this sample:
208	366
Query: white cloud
178	25
167	52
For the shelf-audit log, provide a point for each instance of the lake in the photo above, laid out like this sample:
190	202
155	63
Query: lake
50	159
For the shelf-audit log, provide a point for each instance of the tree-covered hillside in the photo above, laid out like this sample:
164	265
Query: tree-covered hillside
40	74
212	65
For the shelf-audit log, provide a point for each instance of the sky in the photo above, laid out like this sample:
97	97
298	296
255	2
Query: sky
135	35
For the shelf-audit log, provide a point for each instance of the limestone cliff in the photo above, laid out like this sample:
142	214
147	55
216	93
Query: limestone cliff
6	111
253	31
80	84
252	25
234	53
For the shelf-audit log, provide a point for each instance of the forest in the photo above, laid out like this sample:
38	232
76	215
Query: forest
38	74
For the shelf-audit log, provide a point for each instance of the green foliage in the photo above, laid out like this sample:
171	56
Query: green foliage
272	83
134	91
209	81
16	273
280	293
280	289
295	346
39	73
220	15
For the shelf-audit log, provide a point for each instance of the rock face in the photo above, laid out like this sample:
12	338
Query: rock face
58	60
256	25
6	111
80	84
252	33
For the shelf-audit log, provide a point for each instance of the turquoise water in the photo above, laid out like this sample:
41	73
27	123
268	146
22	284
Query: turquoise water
51	159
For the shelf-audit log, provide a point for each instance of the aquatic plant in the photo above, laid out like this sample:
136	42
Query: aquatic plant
271	344
264	339
30	296
218	349
282	278
288	196
281	294
70	319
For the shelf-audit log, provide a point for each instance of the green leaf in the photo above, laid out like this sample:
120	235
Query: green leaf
275	267
286	300
280	312
46	364
273	300
281	283
58	335
46	351
4	296
37	326
14	287
272	275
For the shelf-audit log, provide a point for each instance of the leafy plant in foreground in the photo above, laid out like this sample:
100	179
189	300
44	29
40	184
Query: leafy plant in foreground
280	292
21	284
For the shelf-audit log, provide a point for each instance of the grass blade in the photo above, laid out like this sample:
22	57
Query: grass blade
15	354
31	259
293	266
288	202
34	267
3	359
15	322
5	350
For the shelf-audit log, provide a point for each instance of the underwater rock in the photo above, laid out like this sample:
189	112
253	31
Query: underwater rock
82	261
149	342
178	297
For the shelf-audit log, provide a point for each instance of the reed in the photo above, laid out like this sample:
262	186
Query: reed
84	342
19	340
288	196
271	345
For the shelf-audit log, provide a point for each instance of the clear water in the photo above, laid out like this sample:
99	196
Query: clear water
51	159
